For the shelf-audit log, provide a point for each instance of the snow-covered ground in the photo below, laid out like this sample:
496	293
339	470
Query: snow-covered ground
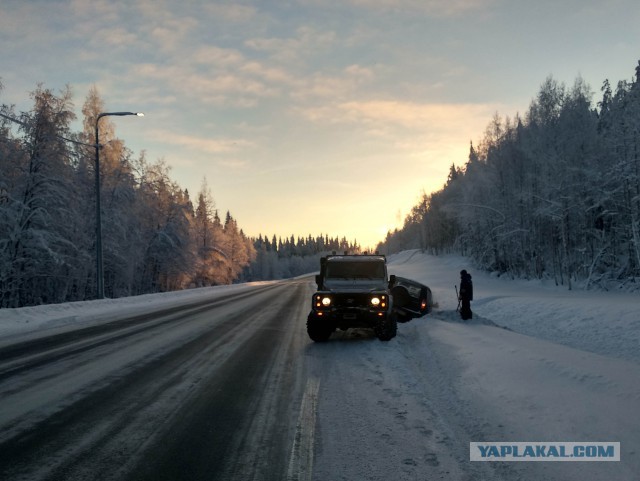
537	363
606	323
566	368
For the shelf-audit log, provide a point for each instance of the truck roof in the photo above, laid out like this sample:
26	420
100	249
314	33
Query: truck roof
356	258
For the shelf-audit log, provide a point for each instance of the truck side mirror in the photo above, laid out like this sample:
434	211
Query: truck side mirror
319	280
392	280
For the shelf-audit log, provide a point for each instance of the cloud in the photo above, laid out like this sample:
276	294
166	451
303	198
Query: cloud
326	88
408	114
229	63
212	86
171	34
271	74
403	114
116	37
231	12
212	146
443	8
220	57
106	11
296	48
409	132
234	164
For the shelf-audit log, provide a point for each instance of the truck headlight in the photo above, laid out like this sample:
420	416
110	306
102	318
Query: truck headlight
379	301
321	301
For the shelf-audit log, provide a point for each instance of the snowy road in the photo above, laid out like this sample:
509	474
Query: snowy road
228	386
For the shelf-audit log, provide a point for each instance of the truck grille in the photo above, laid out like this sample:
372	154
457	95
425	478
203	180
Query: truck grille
344	300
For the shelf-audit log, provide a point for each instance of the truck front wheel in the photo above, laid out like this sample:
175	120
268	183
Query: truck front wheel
386	327
319	330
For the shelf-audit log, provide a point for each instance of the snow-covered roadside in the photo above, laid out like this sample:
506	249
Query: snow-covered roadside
491	384
606	323
41	319
570	373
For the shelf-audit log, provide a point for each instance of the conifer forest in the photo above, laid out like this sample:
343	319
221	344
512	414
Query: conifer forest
552	194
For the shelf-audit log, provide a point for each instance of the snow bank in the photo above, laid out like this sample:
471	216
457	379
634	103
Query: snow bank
605	323
69	315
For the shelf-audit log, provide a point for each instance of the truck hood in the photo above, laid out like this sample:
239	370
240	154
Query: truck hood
355	285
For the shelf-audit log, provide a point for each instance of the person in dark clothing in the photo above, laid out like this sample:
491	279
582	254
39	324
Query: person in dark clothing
466	295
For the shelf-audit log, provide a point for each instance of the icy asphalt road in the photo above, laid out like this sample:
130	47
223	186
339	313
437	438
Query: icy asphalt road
206	392
231	388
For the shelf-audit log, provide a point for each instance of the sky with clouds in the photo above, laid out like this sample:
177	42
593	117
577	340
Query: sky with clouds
312	116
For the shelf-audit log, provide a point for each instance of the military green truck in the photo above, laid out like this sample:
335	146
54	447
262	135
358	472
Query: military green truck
355	291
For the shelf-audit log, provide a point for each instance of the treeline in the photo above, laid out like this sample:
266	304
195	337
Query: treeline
553	194
154	238
278	259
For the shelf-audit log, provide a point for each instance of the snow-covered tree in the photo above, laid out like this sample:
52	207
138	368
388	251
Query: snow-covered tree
38	254
554	194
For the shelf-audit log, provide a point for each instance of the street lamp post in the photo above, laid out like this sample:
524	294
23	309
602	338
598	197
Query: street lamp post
99	268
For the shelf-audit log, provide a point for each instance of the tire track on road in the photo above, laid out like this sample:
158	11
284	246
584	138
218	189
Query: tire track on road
27	355
107	428
302	451
236	424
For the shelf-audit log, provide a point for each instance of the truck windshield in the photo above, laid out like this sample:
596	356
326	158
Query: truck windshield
355	270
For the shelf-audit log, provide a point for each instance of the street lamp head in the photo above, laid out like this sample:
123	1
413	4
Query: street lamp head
119	114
